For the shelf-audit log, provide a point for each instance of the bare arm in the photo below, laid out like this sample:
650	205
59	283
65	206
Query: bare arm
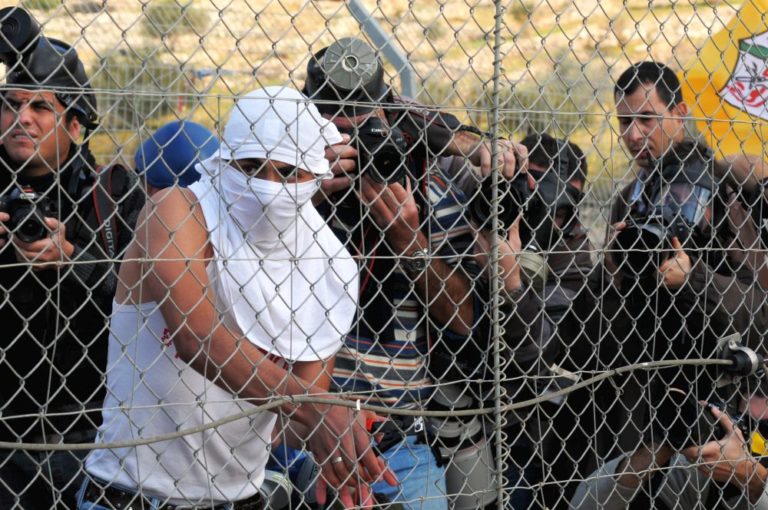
319	374
175	240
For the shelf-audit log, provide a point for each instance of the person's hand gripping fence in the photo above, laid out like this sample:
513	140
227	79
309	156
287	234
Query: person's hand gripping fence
348	462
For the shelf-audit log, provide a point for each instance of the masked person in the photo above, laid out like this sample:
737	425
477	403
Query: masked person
168	157
245	294
65	224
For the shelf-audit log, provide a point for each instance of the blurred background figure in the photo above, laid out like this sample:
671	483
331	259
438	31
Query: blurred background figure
168	157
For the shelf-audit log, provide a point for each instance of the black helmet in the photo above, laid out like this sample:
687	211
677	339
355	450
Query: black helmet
37	62
347	71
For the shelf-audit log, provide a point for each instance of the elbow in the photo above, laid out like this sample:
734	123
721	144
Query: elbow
190	346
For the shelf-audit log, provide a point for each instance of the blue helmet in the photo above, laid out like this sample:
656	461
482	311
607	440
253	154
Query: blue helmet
168	157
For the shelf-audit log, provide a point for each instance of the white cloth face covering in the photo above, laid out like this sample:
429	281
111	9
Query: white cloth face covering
291	284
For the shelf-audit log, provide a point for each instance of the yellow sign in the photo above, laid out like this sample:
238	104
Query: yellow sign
726	87
758	444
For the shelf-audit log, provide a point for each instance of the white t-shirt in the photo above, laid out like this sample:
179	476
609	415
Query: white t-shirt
151	392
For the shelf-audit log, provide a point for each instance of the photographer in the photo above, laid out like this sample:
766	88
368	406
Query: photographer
560	169
709	466
714	273
398	213
651	114
65	223
681	291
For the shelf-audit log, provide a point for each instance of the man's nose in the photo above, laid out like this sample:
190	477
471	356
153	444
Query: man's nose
633	132
24	115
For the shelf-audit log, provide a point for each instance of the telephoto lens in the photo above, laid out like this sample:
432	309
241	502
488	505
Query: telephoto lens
462	442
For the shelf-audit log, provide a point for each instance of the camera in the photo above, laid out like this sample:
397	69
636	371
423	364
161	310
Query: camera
681	421
644	244
346	75
680	201
551	212
28	211
381	151
466	450
512	194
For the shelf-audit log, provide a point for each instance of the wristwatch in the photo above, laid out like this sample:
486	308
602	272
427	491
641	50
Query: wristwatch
416	262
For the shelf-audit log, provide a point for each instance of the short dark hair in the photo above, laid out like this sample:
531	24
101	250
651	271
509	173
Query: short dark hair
543	150
657	74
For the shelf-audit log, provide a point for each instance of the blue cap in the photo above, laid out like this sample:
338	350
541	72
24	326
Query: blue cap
169	156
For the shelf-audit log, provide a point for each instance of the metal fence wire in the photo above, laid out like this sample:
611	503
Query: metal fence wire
419	255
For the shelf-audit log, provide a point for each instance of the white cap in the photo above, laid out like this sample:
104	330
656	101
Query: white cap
279	124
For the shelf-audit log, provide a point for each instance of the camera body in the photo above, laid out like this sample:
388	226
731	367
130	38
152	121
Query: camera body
681	421
680	199
645	243
28	211
512	194
381	151
551	213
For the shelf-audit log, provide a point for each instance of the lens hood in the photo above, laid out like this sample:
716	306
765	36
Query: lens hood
18	34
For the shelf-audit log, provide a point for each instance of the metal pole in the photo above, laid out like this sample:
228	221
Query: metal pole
497	329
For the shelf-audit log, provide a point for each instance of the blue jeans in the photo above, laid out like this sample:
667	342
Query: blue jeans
45	480
422	482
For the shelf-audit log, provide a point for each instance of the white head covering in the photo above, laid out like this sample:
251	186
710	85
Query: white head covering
286	279
280	124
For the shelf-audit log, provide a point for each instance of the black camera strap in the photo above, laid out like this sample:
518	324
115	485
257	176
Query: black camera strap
105	208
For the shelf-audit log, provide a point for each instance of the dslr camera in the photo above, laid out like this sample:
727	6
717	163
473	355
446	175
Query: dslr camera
512	194
678	200
380	150
348	77
28	211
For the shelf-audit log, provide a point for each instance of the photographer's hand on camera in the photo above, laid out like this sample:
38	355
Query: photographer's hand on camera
394	210
44	253
343	159
728	460
675	270
509	248
513	157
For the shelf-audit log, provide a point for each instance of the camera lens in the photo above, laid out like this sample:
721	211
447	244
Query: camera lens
642	249
17	31
31	230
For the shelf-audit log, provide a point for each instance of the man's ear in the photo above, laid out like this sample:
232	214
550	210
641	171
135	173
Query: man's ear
74	128
681	110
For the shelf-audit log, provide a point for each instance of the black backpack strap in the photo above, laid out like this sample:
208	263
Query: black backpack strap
105	208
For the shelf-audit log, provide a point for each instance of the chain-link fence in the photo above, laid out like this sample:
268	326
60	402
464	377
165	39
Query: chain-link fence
284	254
